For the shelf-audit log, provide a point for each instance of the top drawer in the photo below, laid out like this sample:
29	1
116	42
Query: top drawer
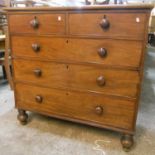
111	25
37	23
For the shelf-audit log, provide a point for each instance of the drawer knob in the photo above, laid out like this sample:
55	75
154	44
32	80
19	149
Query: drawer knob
99	110
34	23
36	47
39	99
102	52
105	24
100	81
37	72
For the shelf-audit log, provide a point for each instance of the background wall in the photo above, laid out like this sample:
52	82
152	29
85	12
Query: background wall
6	2
1	2
111	1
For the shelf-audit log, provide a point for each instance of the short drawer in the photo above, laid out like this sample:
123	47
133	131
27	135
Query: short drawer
89	107
113	25
88	78
37	23
100	51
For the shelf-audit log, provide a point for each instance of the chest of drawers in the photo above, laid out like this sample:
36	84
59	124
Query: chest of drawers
80	64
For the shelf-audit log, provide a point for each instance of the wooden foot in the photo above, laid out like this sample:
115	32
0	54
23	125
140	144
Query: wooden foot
127	142
22	117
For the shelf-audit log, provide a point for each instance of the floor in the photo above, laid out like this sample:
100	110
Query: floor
47	136
6	96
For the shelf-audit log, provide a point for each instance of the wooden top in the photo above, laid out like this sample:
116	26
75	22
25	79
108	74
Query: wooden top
87	7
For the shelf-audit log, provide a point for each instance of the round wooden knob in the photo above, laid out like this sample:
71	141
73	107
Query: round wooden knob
34	23
102	52
36	47
39	99
99	110
37	72
105	24
101	81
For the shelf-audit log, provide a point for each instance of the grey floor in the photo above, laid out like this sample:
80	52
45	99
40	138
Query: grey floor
6	96
47	136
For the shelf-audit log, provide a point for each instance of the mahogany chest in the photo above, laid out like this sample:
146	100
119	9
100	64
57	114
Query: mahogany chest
82	64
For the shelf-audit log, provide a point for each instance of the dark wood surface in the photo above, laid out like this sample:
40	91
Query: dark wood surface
75	105
125	27
87	7
60	75
47	23
79	50
80	64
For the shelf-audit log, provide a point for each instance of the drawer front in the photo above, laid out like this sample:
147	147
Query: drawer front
37	23
128	25
89	107
106	51
89	78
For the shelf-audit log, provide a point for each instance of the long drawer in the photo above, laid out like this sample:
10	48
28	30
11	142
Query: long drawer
115	25
89	107
89	78
38	23
107	51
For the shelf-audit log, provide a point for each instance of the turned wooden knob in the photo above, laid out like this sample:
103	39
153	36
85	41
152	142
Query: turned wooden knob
34	23
105	24
22	117
39	99
100	81
37	72
127	142
102	52
36	47
99	110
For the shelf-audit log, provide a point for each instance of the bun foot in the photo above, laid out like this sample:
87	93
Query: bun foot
127	142
22	117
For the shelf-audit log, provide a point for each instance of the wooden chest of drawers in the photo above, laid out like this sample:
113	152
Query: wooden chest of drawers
80	64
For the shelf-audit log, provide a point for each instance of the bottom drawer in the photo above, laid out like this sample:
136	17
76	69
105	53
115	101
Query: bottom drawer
90	107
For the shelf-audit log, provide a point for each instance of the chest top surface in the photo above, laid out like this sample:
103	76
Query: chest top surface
80	8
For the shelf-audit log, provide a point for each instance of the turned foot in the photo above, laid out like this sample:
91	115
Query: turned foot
22	117
127	141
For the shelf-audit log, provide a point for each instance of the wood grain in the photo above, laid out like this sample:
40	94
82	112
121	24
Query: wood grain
121	25
48	23
132	7
85	68
75	105
117	82
119	52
